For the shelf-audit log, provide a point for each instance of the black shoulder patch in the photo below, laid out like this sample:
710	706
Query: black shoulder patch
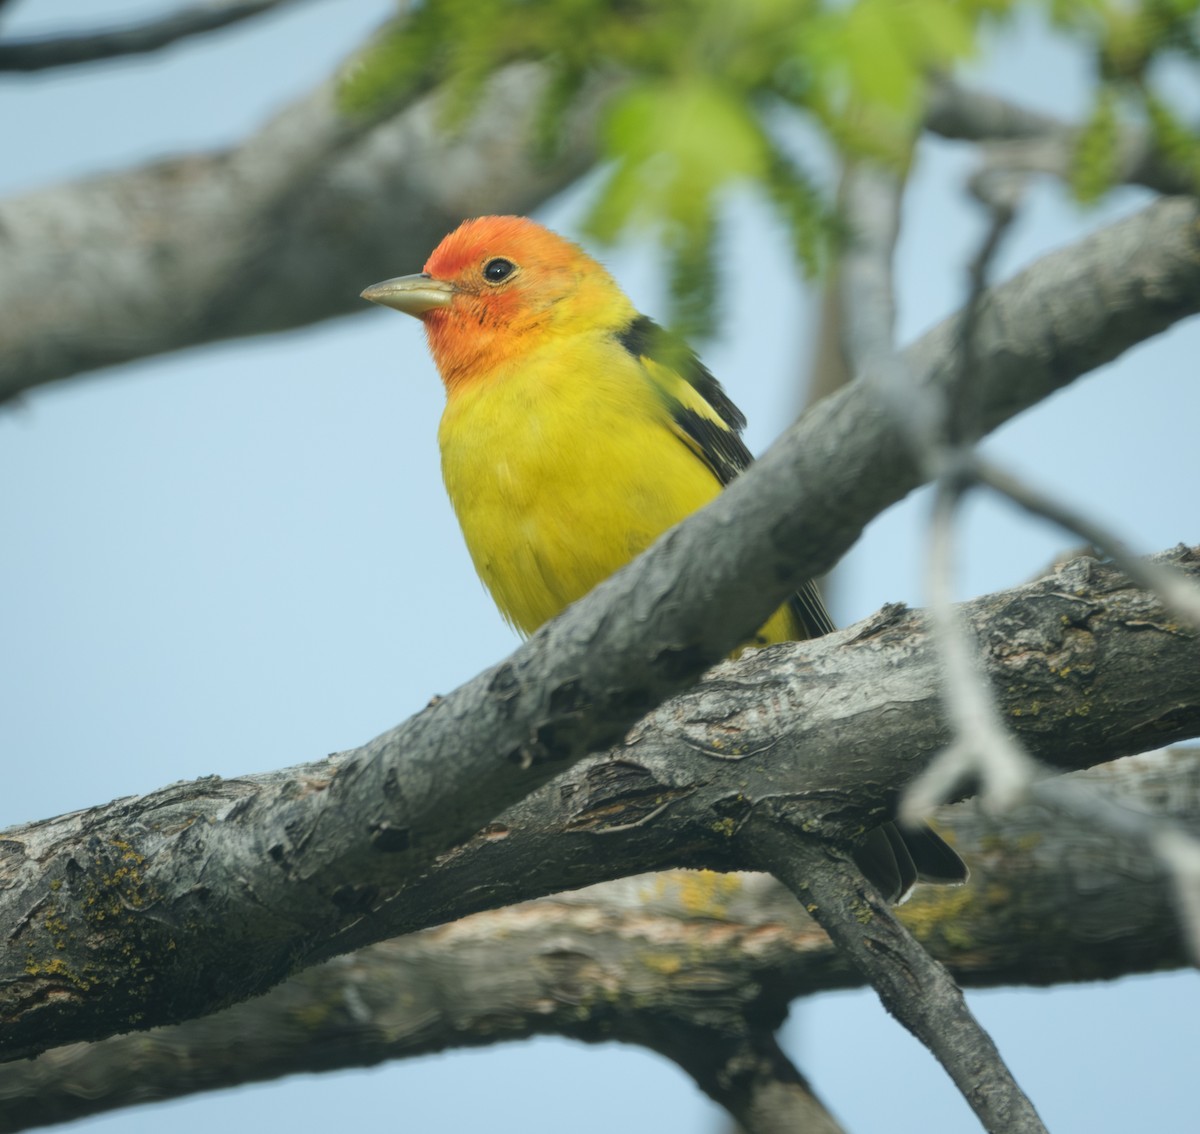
637	338
644	338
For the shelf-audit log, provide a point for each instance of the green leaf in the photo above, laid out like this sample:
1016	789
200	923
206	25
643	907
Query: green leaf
811	223
675	143
1094	162
388	71
1179	145
692	277
890	46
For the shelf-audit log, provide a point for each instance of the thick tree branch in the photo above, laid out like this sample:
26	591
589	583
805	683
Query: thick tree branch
277	233
303	864
136	39
1052	899
176	903
838	724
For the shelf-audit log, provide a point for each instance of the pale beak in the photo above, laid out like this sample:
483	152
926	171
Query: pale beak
414	295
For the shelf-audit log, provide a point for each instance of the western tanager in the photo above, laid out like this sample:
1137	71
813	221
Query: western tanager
577	431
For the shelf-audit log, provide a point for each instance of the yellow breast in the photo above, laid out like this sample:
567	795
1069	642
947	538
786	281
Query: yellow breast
562	469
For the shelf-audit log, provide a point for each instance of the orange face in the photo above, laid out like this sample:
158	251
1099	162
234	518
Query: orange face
497	289
500	287
510	278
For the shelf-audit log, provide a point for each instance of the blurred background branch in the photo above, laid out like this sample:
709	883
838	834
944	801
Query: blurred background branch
43	52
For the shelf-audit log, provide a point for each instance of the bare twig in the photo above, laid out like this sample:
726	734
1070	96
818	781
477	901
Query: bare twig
962	424
939	426
1019	140
749	1074
43	52
914	988
1178	593
983	747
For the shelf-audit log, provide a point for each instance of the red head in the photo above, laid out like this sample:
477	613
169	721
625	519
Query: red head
498	287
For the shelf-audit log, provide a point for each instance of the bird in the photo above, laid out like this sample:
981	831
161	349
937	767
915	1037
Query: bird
576	431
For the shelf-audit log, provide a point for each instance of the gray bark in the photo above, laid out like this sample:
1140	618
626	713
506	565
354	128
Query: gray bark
665	960
155	909
162	908
254	879
251	880
283	230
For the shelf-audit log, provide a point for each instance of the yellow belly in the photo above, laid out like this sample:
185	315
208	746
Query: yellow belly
558	482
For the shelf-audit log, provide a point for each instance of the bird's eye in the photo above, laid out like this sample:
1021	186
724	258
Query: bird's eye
494	271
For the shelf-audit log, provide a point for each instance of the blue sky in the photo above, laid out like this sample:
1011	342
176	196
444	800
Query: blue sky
240	557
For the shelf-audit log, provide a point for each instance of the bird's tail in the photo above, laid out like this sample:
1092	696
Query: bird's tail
894	860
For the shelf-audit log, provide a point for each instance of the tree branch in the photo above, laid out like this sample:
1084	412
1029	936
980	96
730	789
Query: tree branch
963	113
136	39
745	1070
304	863
1180	597
1017	139
1052	899
157	908
914	987
307	863
279	232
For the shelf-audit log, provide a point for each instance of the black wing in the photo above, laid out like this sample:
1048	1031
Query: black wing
891	858
718	442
